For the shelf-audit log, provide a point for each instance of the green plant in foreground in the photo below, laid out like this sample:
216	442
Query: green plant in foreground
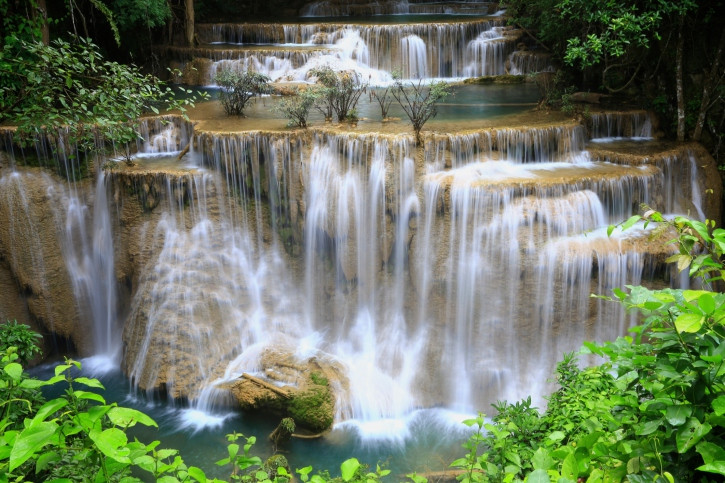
654	411
22	337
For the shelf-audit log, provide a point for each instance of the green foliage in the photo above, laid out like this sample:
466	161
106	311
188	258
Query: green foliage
339	94
238	88
615	29
77	436
653	411
68	93
22	337
700	245
133	14
420	102
297	107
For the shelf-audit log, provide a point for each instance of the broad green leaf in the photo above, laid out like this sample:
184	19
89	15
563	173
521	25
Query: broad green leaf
415	478
127	417
691	295
197	474
513	457
707	303
89	396
45	459
111	442
556	436
649	427
689	323
348	468
718	405
538	476
48	408
631	221
714	467
89	382
569	467
677	415
710	452
689	434
541	460
14	370
30	441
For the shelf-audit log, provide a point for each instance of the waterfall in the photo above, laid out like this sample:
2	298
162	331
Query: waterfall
424	50
414	57
89	256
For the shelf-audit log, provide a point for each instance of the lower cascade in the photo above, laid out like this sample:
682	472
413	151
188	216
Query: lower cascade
345	276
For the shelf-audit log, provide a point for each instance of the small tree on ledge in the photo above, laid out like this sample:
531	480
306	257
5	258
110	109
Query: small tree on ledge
237	88
420	101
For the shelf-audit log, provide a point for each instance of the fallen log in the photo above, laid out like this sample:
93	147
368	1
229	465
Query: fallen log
266	385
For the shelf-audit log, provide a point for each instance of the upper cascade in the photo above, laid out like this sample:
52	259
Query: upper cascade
332	8
436	47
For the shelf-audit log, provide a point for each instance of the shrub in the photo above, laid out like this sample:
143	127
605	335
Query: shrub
654	411
420	102
22	337
340	93
238	88
297	107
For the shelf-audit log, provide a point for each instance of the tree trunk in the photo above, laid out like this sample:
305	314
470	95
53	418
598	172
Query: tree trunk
44	28
680	89
708	85
189	22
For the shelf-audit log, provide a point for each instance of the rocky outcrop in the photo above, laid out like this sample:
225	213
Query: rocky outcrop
302	389
40	292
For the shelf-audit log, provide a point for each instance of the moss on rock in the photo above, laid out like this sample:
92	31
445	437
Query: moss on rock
313	408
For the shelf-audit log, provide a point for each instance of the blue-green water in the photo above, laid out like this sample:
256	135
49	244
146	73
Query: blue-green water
427	440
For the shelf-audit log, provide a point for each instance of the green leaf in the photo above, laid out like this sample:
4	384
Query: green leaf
197	474
569	468
649	427
688	322
541	460
111	442
30	441
631	221
706	303
49	408
677	415
89	396
689	434
710	452
538	476
714	467
127	417
348	468
718	405
14	370
89	382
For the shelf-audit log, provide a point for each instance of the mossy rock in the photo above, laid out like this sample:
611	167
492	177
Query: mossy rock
313	408
273	463
497	79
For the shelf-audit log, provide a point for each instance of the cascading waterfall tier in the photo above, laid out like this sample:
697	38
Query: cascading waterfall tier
384	265
287	52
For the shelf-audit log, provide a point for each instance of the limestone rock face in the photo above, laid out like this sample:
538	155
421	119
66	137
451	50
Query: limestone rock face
32	257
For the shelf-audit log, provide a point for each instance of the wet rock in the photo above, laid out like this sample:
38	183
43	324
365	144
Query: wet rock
301	389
